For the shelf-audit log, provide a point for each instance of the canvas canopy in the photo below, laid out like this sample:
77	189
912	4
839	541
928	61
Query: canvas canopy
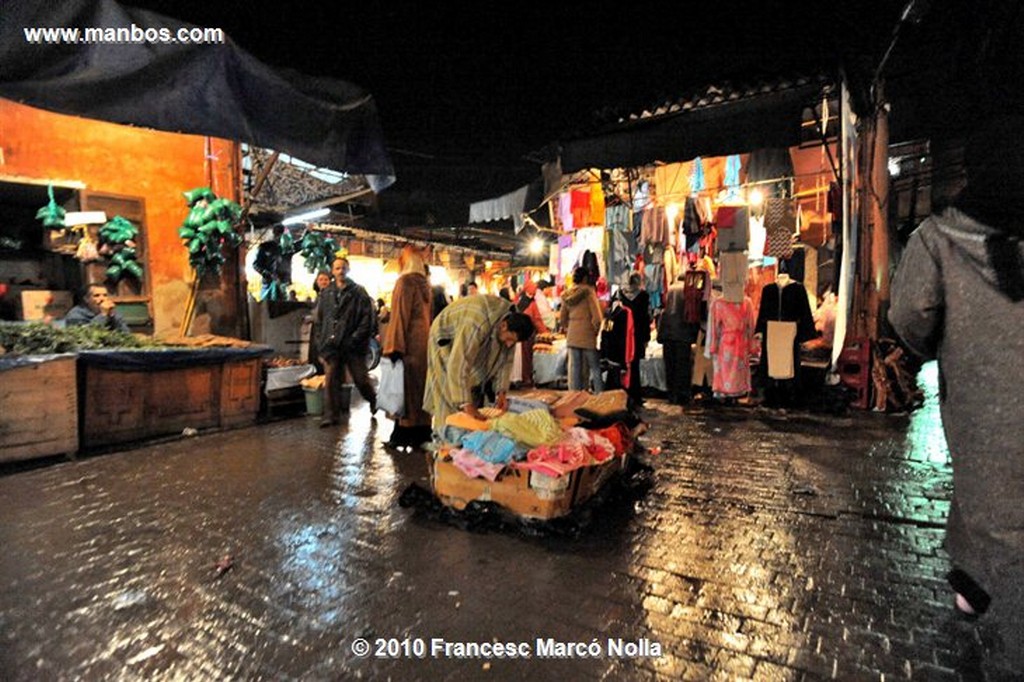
205	89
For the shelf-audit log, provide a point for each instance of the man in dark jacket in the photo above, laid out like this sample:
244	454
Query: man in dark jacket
347	321
97	310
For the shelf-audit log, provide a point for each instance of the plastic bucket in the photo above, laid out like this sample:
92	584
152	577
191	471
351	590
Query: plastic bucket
314	401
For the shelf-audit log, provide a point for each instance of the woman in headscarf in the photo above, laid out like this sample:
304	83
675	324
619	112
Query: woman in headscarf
958	295
634	297
405	338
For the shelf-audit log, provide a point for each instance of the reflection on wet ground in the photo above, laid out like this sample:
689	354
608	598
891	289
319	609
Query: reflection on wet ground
772	546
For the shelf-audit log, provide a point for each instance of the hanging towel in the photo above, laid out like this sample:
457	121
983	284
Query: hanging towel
580	208
733	228
780	225
597	216
565	211
733	274
697	183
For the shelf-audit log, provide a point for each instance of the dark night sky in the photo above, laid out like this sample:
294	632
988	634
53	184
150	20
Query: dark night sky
495	80
481	85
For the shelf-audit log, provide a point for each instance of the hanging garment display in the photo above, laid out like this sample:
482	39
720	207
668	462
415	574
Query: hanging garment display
732	272
733	228
654	228
581	208
783	301
565	211
673	181
697	183
621	246
692	222
695	296
780	225
758	237
730	339
597	205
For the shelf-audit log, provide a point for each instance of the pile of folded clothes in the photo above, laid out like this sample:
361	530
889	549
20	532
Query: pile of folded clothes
549	432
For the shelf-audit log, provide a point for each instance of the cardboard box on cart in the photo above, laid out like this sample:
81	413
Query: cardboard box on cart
523	492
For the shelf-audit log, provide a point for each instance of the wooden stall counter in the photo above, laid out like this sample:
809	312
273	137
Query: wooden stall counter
38	406
131	395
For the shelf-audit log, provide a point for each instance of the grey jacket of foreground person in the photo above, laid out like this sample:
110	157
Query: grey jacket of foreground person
953	298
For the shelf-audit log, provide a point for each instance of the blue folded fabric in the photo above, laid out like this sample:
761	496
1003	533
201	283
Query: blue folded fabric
493	447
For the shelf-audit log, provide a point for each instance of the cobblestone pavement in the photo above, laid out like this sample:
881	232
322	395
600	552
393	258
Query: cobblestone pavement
771	547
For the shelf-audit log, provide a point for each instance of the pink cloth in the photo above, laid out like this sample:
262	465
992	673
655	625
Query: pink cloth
579	448
565	211
474	467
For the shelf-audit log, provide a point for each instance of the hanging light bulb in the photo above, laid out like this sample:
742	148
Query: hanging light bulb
536	246
756	197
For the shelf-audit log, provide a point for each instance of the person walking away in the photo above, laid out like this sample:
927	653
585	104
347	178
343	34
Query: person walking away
677	333
581	318
634	297
958	296
405	338
347	321
469	355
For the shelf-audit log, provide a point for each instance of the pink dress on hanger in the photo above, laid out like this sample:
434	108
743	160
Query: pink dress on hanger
730	341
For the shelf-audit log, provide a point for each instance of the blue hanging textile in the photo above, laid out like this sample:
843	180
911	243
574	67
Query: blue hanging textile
732	175
697	181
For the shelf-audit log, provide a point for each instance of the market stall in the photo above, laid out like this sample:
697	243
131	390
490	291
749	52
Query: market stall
753	193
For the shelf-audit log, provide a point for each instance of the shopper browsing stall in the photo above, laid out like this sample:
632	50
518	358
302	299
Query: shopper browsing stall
581	318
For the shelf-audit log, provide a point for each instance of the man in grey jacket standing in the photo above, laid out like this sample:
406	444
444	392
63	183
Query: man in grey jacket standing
958	296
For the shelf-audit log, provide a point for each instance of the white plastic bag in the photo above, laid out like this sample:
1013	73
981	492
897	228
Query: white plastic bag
391	393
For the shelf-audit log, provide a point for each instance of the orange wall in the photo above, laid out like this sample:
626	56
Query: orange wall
157	166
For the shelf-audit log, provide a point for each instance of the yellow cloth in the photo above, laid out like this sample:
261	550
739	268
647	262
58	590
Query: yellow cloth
596	204
461	420
672	182
606	403
532	428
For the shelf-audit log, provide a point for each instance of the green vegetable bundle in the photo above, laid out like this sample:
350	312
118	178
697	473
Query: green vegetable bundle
318	251
52	214
117	240
209	226
39	339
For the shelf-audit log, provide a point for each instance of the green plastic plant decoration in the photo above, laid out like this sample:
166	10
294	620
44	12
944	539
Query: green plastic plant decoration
117	242
318	251
53	213
208	227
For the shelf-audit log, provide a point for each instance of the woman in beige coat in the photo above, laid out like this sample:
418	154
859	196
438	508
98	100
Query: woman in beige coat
581	318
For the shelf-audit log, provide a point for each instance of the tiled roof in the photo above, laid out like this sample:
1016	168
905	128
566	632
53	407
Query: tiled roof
703	97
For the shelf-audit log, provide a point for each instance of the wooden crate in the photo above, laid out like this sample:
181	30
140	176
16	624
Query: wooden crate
522	492
39	409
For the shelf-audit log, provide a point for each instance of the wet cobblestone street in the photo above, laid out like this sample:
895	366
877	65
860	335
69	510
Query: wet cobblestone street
771	547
